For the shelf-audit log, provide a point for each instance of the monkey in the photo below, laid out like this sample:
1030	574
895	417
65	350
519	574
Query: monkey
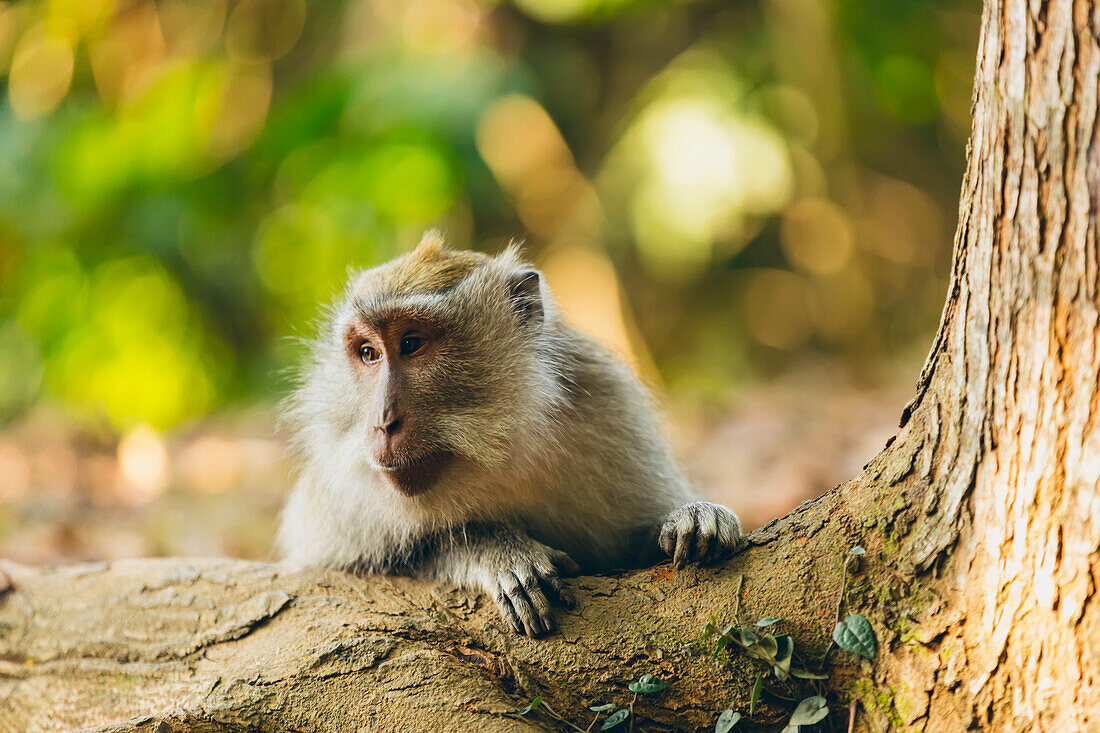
452	426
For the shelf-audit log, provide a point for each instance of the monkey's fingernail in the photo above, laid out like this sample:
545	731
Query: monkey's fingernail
547	623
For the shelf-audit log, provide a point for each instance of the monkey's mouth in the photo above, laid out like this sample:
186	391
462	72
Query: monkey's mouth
414	475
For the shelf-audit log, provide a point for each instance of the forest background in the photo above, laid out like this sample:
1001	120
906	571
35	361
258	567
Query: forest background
751	201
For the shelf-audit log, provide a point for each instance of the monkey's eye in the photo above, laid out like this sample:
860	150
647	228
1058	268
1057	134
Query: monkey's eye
411	344
368	353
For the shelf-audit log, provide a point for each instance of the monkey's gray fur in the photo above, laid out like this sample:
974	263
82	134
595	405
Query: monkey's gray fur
559	464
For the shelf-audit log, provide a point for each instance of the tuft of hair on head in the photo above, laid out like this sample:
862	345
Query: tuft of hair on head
432	243
431	267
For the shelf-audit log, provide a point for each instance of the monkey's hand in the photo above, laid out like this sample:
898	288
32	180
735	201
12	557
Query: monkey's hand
517	572
701	532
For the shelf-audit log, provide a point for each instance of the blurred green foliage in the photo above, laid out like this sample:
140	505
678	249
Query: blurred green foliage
183	182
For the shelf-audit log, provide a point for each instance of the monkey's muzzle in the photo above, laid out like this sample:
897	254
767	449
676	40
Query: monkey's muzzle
413	476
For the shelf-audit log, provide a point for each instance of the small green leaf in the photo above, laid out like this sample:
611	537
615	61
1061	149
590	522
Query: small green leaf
804	674
530	706
726	721
784	646
765	649
854	634
857	550
809	711
768	621
602	708
648	685
784	651
615	718
747	636
710	628
754	698
720	644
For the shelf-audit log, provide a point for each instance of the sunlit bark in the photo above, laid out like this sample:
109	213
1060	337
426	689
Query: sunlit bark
1004	425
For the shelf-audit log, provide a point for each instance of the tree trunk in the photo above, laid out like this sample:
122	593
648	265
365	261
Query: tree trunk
1002	519
981	521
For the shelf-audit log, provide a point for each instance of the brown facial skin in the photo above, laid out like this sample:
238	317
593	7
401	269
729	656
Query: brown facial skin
393	360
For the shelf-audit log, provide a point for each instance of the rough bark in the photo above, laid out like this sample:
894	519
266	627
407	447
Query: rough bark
1003	433
981	519
223	645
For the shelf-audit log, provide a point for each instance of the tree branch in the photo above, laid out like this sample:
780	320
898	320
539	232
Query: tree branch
231	645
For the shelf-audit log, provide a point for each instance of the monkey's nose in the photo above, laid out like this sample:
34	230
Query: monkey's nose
392	426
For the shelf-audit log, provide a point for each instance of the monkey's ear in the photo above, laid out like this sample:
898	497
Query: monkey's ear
525	292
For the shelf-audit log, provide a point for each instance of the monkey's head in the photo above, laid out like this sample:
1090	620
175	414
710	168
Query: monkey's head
441	356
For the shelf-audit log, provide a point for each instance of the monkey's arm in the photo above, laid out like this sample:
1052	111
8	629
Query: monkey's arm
516	571
700	532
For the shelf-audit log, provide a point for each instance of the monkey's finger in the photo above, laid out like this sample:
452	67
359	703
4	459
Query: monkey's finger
682	555
668	537
706	528
685	539
564	563
521	604
504	607
548	576
563	594
538	600
729	539
720	549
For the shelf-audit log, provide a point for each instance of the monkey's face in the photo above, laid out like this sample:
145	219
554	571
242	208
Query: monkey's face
396	361
442	347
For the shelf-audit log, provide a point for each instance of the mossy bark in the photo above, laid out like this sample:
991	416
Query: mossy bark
981	520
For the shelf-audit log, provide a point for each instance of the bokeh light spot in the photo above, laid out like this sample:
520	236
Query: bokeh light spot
816	236
128	58
437	26
555	11
143	463
516	137
41	71
243	93
587	290
192	27
527	154
708	169
136	354
264	30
